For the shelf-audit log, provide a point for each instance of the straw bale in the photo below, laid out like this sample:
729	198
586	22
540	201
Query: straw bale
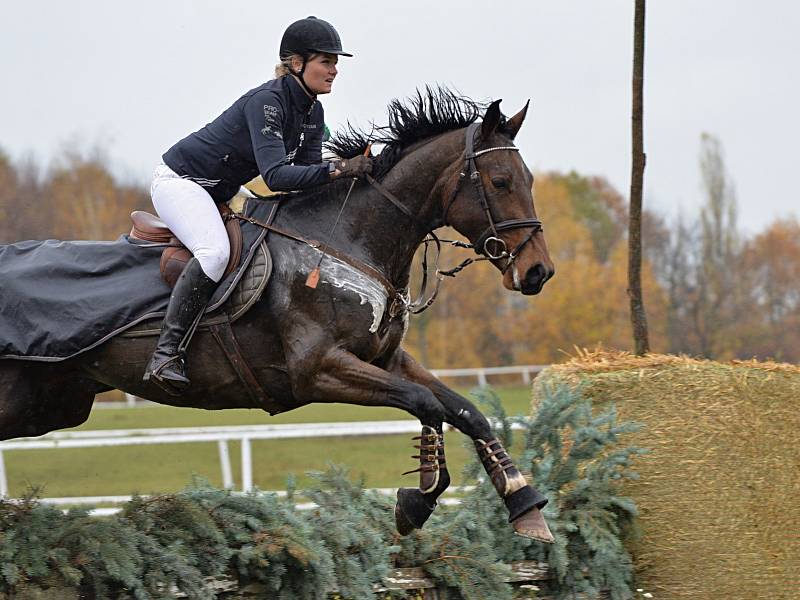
719	494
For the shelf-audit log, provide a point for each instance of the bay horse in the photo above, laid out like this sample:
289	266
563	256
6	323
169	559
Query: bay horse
446	160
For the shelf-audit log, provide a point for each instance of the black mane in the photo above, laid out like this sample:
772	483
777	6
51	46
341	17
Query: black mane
434	111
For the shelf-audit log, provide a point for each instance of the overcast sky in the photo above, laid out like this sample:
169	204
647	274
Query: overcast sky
134	77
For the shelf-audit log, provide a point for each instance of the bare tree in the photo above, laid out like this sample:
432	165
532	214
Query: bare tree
718	293
638	315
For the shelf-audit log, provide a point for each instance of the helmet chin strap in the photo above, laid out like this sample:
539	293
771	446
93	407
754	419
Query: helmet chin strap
302	80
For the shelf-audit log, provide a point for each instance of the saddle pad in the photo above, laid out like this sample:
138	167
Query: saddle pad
58	299
243	296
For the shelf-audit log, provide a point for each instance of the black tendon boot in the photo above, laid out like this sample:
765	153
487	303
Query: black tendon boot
189	297
521	500
414	506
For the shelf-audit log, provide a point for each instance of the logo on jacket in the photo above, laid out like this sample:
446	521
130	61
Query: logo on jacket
272	124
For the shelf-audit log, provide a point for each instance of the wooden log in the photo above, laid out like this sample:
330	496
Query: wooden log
415	578
408	578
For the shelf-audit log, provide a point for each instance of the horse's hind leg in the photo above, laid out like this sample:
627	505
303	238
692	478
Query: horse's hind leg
522	501
18	384
35	399
339	376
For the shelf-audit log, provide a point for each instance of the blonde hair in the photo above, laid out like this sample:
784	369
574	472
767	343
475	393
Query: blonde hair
285	66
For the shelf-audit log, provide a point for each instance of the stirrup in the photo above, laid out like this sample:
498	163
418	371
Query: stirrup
174	387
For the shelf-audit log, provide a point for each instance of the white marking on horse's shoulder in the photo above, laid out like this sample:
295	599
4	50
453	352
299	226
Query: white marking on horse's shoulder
343	276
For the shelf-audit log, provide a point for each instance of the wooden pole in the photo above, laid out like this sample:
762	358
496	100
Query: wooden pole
638	315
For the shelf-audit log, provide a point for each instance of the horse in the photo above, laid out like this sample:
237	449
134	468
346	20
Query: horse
340	341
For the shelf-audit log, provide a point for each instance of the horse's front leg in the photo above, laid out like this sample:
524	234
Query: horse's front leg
522	501
339	376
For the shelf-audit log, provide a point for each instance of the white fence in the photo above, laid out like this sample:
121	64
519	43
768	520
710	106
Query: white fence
524	370
244	434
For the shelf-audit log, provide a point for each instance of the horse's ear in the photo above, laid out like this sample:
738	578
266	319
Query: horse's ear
514	123
491	120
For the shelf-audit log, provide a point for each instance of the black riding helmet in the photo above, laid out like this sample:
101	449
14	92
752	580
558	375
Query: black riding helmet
310	35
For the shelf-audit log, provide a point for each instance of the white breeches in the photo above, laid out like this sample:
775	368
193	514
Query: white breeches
191	214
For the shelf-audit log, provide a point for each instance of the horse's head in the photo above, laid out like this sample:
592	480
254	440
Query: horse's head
489	199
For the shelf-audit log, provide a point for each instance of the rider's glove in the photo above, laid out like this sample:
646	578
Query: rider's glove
358	166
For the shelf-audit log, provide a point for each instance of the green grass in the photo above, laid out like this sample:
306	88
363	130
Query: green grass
169	467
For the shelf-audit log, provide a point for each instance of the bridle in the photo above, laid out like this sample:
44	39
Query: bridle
489	242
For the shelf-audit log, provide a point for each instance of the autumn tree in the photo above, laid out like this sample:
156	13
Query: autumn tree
771	262
90	203
8	194
598	207
585	303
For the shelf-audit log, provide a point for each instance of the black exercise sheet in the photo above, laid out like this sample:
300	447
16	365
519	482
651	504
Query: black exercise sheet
59	298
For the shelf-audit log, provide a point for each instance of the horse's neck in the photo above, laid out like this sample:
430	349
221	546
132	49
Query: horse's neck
413	181
370	228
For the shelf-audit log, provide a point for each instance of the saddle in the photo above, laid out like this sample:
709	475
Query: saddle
149	228
241	292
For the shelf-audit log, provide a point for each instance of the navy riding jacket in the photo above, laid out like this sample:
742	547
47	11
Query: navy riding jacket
274	130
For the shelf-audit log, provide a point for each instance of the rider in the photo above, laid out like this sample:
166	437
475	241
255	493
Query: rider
275	130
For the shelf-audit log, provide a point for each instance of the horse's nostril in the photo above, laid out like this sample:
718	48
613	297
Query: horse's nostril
534	279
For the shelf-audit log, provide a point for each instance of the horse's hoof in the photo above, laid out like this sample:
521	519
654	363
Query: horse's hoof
404	526
532	525
411	510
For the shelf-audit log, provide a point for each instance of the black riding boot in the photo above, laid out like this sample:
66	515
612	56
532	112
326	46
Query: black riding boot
190	295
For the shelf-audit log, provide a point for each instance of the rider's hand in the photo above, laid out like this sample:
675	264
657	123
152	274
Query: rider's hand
358	166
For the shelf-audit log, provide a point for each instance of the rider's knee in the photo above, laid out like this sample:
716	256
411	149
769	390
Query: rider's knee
214	261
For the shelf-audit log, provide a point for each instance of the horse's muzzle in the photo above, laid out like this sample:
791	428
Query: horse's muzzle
535	278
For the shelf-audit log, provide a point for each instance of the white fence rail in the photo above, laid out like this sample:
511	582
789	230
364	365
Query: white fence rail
244	434
481	372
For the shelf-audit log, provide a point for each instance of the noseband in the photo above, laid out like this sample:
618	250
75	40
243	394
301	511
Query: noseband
489	242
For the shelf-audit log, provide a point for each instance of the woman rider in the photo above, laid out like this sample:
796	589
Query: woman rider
274	130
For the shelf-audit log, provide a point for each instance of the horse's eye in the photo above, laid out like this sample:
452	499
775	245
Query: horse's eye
499	182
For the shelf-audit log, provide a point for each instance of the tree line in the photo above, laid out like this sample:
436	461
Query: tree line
710	290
